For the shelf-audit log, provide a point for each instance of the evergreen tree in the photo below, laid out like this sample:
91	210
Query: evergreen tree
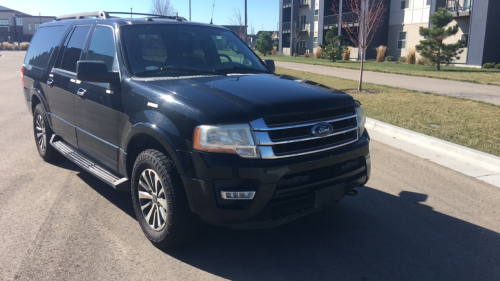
264	44
433	47
335	46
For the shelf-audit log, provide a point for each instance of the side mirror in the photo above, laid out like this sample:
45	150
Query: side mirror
270	65
95	71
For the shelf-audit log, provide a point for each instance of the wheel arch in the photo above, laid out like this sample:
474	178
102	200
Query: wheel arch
147	136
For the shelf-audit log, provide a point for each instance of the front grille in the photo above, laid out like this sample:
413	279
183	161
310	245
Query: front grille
311	145
277	140
303	132
315	116
320	174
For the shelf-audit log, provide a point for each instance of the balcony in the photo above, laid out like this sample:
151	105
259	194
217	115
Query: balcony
329	21
304	27
303	3
287	4
459	8
286	27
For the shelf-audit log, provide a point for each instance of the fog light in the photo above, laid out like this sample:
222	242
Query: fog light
237	195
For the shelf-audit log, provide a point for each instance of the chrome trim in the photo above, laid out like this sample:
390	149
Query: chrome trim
267	152
264	139
260	125
223	194
52	114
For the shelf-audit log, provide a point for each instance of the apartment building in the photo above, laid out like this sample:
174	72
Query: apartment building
477	21
16	26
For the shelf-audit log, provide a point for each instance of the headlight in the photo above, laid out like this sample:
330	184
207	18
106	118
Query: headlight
235	139
360	117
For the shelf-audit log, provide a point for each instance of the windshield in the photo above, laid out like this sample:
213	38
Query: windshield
156	50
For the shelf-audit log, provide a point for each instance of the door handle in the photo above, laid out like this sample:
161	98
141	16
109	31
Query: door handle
81	92
50	81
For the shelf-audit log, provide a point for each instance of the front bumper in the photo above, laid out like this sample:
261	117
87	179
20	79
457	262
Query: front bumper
285	188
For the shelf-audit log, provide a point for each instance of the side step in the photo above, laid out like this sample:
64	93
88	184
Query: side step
89	166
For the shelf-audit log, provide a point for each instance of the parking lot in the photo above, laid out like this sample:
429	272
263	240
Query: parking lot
415	220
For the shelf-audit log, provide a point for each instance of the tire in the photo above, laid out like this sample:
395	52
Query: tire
43	133
164	216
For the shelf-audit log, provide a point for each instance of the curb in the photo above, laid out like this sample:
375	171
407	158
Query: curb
465	154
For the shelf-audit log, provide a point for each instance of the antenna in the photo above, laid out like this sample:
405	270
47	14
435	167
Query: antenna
213	8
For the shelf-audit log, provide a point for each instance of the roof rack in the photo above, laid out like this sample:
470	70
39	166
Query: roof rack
106	15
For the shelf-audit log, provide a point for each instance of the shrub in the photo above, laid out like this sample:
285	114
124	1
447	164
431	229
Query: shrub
295	55
15	47
7	46
381	50
273	52
489	65
411	57
347	54
317	54
421	61
24	46
307	55
402	59
389	58
1	46
497	66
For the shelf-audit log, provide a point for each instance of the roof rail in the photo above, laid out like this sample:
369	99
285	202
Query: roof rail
106	15
85	15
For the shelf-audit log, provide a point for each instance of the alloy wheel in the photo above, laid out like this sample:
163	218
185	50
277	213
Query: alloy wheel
41	135
152	199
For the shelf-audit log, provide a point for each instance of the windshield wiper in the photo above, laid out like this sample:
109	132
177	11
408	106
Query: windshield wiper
171	67
245	68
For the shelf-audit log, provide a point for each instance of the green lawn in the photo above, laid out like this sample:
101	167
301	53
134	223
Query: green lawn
465	122
465	74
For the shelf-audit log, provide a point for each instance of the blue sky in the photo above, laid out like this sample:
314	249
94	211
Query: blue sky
261	13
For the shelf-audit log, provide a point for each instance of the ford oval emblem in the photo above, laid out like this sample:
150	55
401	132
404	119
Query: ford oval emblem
322	129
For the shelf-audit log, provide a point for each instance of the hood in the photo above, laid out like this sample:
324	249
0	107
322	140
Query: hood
244	98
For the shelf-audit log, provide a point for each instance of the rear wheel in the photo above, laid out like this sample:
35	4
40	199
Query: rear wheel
42	134
160	201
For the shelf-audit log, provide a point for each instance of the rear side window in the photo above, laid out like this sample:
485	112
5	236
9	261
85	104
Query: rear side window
42	45
70	54
102	47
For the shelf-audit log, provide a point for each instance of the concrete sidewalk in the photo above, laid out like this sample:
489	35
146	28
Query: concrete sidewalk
486	93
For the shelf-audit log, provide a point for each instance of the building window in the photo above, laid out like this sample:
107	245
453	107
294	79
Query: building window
29	25
19	21
405	4
429	2
302	44
4	25
316	15
37	25
402	40
302	22
315	42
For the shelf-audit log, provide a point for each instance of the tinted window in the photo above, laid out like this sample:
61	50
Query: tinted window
42	45
150	48
102	47
74	48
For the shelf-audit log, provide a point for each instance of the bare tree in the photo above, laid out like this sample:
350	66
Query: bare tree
369	15
237	20
162	7
294	37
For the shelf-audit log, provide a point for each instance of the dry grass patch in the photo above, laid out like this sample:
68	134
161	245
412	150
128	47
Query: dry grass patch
465	122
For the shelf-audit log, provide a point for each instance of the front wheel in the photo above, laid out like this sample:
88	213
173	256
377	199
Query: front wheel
160	201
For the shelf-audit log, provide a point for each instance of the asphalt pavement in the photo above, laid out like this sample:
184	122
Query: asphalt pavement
415	220
486	93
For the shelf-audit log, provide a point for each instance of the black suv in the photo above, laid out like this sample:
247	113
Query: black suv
192	122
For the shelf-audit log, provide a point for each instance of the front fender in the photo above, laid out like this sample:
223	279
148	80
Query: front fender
159	135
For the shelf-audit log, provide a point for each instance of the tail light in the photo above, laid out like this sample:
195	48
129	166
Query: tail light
22	75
